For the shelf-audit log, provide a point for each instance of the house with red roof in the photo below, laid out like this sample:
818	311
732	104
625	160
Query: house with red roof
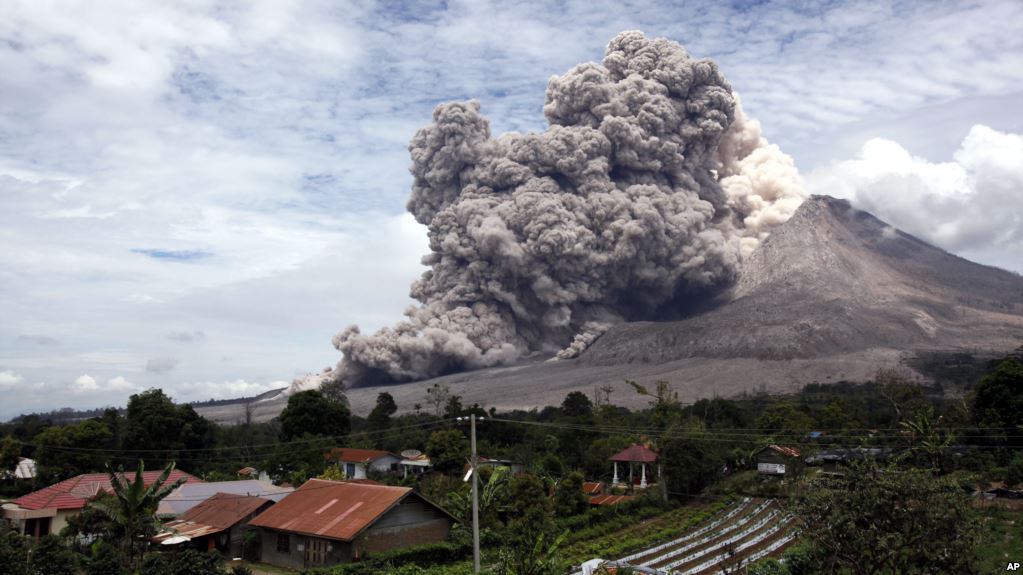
47	510
357	463
330	522
218	523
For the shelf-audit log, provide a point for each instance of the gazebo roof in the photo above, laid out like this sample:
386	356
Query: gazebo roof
635	453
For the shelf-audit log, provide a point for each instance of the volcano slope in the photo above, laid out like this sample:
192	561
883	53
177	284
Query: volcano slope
834	294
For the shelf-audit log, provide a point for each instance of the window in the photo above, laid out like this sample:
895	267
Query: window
284	542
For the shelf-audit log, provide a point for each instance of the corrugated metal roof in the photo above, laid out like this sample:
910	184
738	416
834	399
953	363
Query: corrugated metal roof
331	509
593	487
784	450
609	499
635	453
219	512
352	455
188	496
74	493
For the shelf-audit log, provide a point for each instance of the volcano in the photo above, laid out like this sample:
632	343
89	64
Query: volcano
832	295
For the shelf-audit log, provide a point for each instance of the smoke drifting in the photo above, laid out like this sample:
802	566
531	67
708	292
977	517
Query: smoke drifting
646	190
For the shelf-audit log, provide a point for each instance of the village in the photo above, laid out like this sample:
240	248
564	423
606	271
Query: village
583	488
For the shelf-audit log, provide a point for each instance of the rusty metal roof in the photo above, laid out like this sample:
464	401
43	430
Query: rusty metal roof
609	499
784	450
219	512
352	455
593	487
635	453
332	509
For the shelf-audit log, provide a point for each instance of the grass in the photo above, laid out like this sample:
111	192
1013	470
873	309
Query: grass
1001	540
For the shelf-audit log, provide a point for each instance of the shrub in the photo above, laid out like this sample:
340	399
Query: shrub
52	556
13	552
105	559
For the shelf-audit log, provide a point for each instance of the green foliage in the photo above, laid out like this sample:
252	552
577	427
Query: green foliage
385	407
997	402
299	460
785	421
542	558
133	507
240	570
335	391
491	493
10	454
153	421
577	404
13	553
308	412
65	451
105	559
333	473
691	459
52	556
1014	472
424	557
569	498
187	562
890	520
448	450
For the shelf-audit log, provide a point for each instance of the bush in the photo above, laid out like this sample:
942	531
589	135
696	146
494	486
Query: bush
428	555
105	559
13	552
241	570
188	562
52	556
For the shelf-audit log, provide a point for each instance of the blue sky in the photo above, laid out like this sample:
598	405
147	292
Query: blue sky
198	195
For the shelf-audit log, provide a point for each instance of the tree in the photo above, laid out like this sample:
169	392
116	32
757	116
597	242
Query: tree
690	458
569	498
105	559
297	461
448	450
13	552
997	402
10	454
438	395
51	556
310	412
380	417
491	494
133	507
890	520
153	420
576	404
784	421
529	546
335	391
66	451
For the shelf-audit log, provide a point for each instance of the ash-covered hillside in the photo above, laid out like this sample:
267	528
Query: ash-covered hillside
834	280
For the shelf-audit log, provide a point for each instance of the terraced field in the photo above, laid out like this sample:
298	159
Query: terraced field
739	535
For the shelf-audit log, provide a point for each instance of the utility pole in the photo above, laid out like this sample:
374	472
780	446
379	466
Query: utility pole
475	499
473	462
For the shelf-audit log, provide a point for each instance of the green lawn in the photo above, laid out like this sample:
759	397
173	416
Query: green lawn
1001	540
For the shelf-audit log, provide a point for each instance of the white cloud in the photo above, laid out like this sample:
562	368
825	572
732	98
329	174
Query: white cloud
970	205
9	379
85	383
119	383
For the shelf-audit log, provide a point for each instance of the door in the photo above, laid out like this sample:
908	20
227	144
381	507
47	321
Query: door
315	552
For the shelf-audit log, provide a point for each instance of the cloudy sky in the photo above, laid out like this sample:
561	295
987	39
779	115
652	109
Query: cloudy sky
198	195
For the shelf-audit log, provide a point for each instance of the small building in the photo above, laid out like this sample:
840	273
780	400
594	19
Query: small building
217	523
633	455
47	510
415	464
593	487
514	466
773	459
357	463
330	522
188	496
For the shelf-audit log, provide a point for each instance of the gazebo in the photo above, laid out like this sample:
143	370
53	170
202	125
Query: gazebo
634	453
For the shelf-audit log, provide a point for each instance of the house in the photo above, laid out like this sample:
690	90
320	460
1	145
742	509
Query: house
330	522
47	510
218	523
357	463
772	459
188	496
416	464
514	466
832	460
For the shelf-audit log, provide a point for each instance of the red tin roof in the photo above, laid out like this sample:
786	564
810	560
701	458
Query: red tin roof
74	493
635	453
784	450
593	487
331	509
352	455
609	499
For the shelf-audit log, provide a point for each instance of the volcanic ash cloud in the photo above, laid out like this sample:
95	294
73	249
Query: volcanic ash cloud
646	190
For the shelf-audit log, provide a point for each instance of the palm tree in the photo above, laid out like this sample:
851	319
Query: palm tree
133	506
